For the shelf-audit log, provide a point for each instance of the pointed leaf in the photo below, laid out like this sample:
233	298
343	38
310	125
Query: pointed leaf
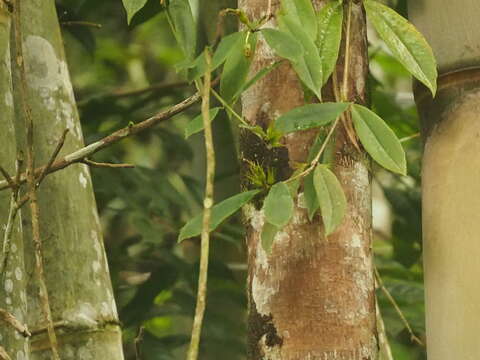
259	75
379	140
196	125
302	12
268	236
310	196
185	27
330	23
283	44
405	41
132	7
308	67
199	66
278	205
331	198
220	213
236	68
309	116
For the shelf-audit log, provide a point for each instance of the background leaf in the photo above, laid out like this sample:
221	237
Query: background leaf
236	69
185	26
379	140
278	205
405	41
309	116
330	195
330	22
220	212
196	125
132	7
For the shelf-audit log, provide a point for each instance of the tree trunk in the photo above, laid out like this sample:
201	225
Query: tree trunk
450	178
76	269
312	297
12	271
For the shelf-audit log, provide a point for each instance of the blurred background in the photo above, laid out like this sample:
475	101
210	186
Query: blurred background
127	73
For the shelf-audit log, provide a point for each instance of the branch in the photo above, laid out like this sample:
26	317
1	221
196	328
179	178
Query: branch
4	355
32	188
53	157
207	205
81	23
390	298
107	165
87	151
11	320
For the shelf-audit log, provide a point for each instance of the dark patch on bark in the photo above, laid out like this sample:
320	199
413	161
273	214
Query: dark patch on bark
258	326
254	149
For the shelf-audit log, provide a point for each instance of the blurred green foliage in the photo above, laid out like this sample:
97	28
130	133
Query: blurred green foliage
143	209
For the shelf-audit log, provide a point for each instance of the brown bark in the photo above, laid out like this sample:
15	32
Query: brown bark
312	297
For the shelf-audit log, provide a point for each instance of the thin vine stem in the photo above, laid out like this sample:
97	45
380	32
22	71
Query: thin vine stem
207	205
32	185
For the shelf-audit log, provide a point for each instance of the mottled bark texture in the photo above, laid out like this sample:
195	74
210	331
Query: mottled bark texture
451	178
76	268
12	271
312	297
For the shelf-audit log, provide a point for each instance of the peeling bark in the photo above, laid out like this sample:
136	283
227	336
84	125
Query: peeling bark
312	297
76	269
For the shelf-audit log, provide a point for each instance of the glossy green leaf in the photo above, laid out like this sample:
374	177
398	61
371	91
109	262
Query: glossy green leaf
379	140
405	42
310	116
302	12
220	213
330	195
236	68
310	196
283	44
268	236
132	7
185	27
309	66
278	205
196	125
330	22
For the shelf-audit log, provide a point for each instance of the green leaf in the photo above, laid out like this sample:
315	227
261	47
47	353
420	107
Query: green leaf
303	13
405	42
308	67
259	75
379	140
196	125
278	205
310	196
330	195
309	116
199	66
185	27
283	44
132	7
330	22
236	68
220	213
224	48
268	236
